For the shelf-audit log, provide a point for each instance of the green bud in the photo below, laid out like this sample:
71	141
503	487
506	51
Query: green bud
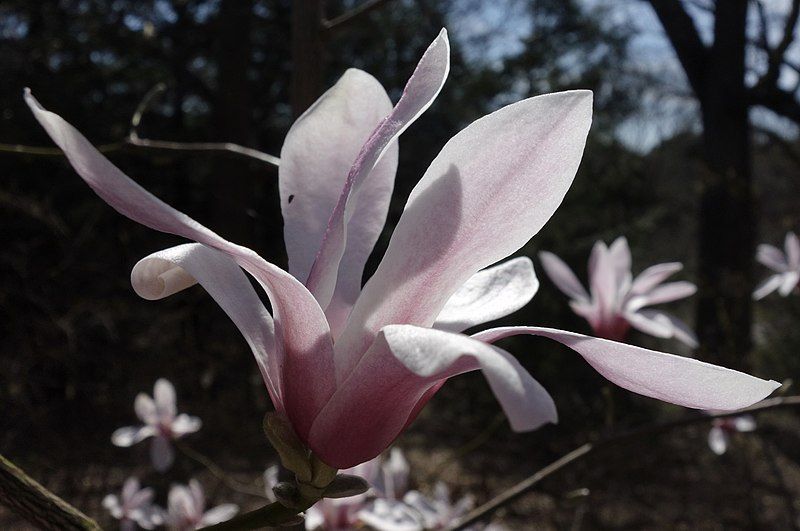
294	455
345	485
322	474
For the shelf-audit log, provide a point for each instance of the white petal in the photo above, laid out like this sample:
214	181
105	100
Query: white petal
654	275
418	94
772	257
744	423
767	286
620	254
220	513
717	440
145	409
153	277
131	435
792	247
436	354
562	276
165	400
490	189
669	292
788	282
649	323
489	294
185	424
675	379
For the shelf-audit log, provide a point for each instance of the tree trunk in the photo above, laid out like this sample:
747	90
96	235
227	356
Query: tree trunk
726	217
233	195
308	61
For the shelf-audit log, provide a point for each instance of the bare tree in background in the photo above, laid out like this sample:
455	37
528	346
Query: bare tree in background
716	74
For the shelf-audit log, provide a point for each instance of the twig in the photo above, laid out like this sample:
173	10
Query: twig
342	20
36	504
218	472
133	139
584	450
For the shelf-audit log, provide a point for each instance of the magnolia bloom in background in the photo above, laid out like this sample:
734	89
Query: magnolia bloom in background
161	421
785	264
186	508
721	430
133	507
616	301
351	367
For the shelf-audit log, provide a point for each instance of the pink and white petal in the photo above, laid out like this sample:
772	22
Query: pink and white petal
788	282
180	504
668	292
220	513
165	400
306	349
185	424
489	294
649	324
603	280
490	189
620	254
130	435
562	276
319	150
675	379
166	272
792	246
653	276
589	311
717	440
376	400
418	94
771	257
145	409
744	423
767	286
680	330
161	453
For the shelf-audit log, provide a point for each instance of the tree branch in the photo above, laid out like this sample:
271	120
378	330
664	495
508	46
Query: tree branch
515	492
134	140
343	20
685	39
36	504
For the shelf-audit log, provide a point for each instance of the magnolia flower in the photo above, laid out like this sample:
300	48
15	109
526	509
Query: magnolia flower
133	507
351	367
161	422
719	434
616	301
786	265
186	508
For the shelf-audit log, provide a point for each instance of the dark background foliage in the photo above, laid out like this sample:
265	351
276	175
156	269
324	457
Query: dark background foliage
77	344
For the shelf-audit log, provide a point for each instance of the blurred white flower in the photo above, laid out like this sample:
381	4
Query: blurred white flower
785	264
134	506
161	421
438	512
270	480
719	434
615	300
186	508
